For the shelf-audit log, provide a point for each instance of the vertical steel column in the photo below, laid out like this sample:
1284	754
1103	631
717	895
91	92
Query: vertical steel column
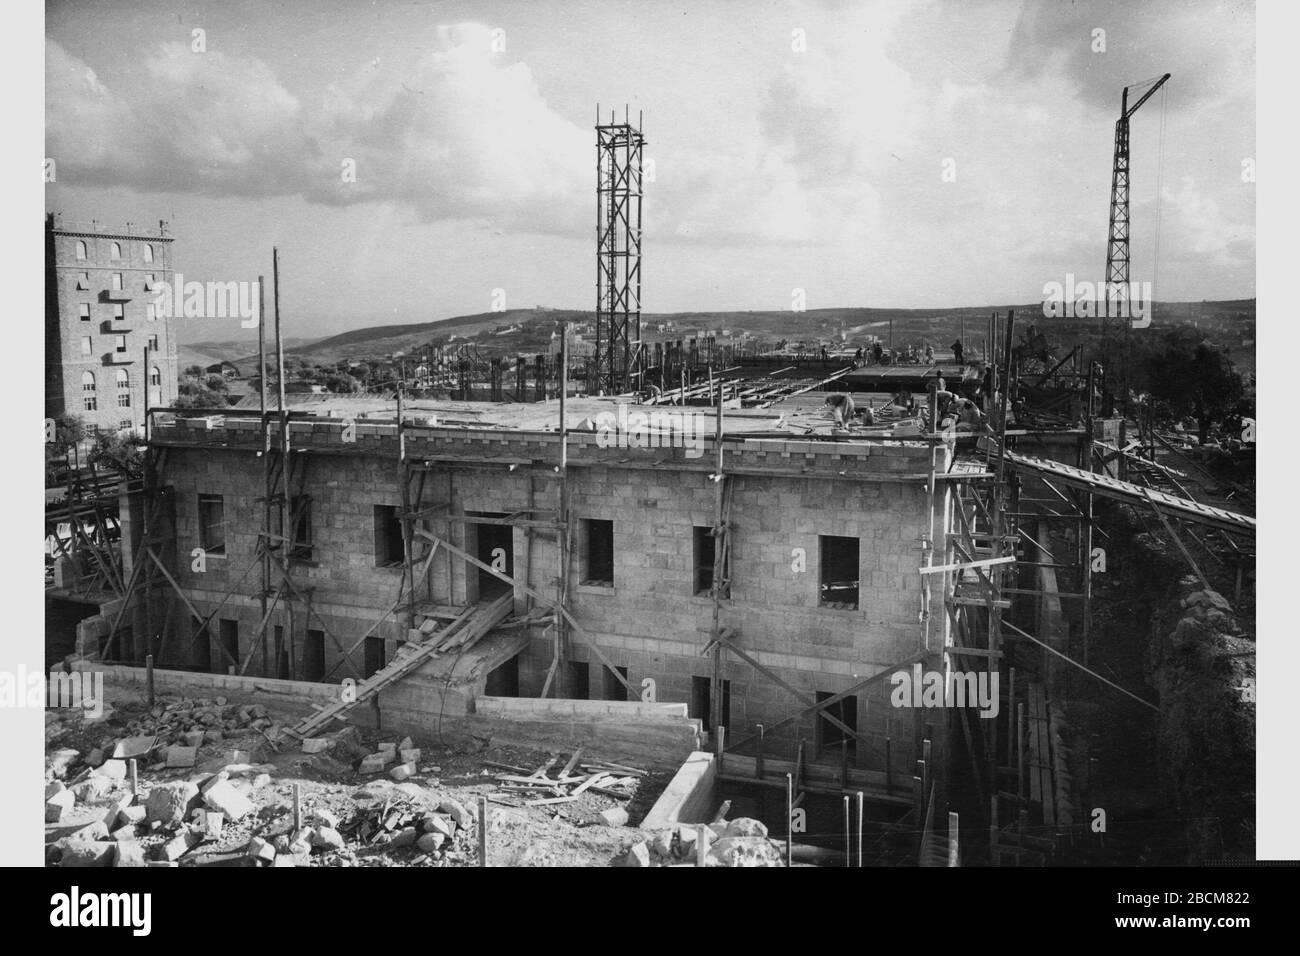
618	256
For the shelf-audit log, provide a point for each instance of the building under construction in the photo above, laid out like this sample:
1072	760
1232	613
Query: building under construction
828	611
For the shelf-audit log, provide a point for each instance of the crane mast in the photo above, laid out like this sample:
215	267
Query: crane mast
1117	244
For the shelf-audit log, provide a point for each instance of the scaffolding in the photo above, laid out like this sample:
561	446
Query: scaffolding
618	363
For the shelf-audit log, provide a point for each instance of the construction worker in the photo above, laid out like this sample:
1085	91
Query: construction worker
842	408
904	401
969	417
957	352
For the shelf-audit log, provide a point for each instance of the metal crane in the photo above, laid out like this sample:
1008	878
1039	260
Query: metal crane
1117	244
1117	251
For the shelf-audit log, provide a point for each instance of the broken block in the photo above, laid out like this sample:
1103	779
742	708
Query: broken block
638	855
464	818
58	805
92	789
409	754
178	756
170	803
373	763
130	853
402	771
114	770
225	799
59	761
301	841
213	780
328	838
259	849
613	817
437	823
180	844
88	853
315	745
213	823
91	831
431	842
324	818
131	816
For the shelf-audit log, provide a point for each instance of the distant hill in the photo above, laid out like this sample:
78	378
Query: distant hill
528	330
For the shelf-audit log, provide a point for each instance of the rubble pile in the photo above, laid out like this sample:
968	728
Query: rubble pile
447	832
116	827
338	799
742	842
192	722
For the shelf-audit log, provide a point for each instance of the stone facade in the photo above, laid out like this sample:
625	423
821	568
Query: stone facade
785	497
100	323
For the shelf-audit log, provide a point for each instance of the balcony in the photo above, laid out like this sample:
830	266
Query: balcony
115	295
119	358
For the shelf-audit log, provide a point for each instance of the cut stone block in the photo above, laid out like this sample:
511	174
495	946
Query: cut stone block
59	804
171	803
180	844
88	853
225	799
259	849
178	756
373	763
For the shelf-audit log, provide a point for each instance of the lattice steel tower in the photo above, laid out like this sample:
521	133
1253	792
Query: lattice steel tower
1117	245
618	360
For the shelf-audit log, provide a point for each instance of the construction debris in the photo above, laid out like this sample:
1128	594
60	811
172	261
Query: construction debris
610	779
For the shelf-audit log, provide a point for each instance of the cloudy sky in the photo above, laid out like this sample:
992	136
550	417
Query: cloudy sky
795	145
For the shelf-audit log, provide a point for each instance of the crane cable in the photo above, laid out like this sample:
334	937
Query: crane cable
1160	194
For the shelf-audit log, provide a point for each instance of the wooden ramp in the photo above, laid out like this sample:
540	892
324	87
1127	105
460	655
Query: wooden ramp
1108	487
466	629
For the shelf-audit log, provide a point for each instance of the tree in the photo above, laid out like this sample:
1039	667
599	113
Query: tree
344	384
122	453
1189	376
68	431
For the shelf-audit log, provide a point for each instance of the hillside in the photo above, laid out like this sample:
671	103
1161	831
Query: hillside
1231	324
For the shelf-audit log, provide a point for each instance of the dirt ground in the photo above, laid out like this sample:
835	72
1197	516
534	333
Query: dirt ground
565	834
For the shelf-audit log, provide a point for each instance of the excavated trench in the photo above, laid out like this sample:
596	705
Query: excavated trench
1176	786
